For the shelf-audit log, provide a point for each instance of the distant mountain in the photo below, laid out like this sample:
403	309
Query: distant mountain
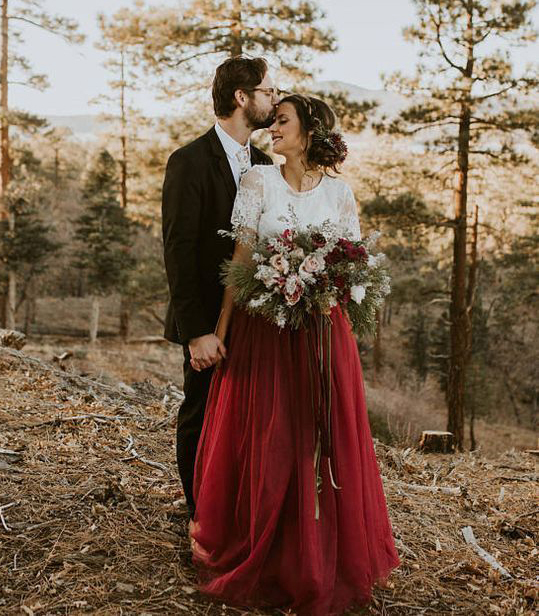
83	126
390	103
86	127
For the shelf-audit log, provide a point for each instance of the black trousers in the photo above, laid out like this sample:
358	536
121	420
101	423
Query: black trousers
196	386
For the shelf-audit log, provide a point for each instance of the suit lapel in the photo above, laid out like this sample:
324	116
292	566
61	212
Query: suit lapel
222	162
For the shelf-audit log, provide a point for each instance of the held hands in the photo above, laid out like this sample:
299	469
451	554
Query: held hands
206	351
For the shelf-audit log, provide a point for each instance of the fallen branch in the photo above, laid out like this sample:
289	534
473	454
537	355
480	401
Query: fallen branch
420	488
80	381
134	455
58	420
2	519
488	558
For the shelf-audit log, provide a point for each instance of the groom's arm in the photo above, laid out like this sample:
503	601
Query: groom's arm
182	217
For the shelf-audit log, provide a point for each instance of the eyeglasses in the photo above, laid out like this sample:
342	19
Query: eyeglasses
269	91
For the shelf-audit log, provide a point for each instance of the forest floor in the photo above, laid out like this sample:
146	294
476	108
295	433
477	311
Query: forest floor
92	518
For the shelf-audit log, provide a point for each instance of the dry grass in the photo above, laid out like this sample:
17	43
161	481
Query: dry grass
91	529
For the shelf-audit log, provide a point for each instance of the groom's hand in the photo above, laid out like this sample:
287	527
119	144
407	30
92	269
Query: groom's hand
206	351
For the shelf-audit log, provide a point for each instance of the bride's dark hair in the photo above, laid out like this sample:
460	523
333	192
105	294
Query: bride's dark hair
327	148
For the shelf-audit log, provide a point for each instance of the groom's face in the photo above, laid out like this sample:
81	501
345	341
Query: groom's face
260	109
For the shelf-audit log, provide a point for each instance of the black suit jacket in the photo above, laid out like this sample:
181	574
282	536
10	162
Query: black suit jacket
198	196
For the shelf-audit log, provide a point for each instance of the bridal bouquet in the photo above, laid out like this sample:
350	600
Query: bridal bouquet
297	274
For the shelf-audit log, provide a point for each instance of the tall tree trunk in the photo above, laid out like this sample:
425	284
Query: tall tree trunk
56	176
5	166
458	314
125	314
124	301
123	137
236	48
4	121
470	297
94	319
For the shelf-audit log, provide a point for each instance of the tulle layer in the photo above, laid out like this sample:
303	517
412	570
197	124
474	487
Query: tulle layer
255	536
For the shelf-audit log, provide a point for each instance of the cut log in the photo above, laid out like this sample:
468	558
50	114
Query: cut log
12	339
436	441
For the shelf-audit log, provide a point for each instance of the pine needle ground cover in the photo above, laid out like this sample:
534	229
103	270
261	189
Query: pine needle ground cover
93	522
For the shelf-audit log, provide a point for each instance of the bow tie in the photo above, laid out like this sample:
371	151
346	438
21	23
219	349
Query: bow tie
243	155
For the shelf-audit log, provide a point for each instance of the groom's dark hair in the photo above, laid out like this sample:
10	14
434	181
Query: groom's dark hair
236	73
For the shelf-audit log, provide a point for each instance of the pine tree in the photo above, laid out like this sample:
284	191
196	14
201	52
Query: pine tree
123	119
25	248
471	104
182	45
27	13
104	234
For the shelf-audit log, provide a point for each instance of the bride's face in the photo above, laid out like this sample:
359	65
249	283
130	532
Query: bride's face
287	135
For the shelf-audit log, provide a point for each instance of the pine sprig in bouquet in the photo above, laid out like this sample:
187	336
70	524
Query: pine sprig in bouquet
297	274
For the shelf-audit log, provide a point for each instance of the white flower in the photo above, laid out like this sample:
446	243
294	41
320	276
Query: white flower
258	301
280	263
280	317
358	293
258	258
267	274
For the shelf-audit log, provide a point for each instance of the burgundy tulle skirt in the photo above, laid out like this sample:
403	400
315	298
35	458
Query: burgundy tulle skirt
256	536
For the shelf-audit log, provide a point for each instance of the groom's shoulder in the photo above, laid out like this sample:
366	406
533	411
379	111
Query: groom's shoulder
195	151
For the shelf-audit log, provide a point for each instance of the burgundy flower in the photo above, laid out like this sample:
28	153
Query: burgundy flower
334	256
339	281
318	240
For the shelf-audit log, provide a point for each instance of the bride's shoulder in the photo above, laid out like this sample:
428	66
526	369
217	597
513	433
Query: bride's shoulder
339	185
256	173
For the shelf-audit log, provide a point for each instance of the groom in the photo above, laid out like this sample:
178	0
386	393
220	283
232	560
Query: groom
200	185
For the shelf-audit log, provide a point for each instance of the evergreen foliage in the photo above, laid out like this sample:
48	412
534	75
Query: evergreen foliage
103	232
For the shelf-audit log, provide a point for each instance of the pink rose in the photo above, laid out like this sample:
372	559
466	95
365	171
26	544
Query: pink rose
293	289
312	264
280	263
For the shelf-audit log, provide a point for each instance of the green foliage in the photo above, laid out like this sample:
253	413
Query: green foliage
25	248
175	44
417	343
103	231
460	80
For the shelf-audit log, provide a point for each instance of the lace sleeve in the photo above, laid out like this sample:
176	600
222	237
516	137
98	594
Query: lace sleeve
248	206
349	216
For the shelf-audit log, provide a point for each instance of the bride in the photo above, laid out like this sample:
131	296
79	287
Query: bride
264	534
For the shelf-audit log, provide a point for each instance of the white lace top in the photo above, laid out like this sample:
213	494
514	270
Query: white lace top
267	205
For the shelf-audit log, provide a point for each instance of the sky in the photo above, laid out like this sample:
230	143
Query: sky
369	35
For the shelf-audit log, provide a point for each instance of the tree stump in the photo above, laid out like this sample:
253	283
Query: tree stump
12	339
436	441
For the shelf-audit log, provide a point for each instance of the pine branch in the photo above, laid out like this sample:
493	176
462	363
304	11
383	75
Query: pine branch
437	26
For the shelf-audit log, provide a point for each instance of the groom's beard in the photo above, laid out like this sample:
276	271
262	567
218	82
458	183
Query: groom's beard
256	118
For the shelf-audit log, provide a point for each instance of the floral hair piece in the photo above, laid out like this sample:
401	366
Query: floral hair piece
331	138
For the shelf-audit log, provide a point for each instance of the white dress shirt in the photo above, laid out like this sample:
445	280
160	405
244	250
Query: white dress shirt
232	147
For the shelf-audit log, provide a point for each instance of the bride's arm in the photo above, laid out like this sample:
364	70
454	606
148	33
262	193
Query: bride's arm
243	253
244	221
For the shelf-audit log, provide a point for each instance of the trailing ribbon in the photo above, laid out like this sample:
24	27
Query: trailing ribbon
319	360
